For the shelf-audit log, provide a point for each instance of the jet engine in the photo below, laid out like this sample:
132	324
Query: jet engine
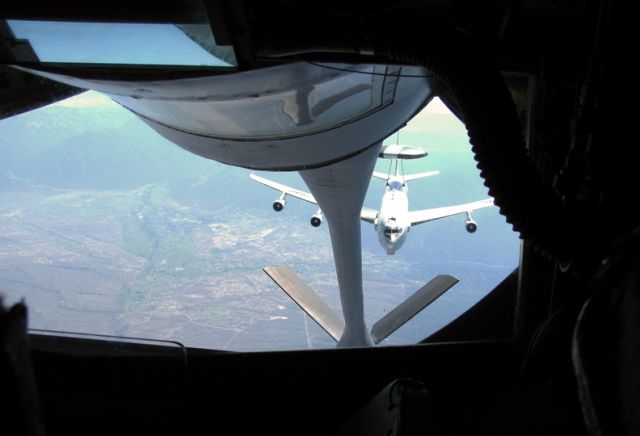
471	225
279	204
316	219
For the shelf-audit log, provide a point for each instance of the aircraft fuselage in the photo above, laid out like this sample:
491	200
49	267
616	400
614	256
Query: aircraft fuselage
393	224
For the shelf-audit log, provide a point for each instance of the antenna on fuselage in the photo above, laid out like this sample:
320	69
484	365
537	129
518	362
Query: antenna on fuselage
394	160
396	152
398	143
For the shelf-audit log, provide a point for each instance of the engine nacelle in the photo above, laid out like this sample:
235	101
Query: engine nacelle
316	220
279	204
471	225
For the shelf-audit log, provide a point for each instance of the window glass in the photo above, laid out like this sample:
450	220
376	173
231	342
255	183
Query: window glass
107	228
122	43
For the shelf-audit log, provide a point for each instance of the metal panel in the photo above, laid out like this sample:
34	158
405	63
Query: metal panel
411	306
307	299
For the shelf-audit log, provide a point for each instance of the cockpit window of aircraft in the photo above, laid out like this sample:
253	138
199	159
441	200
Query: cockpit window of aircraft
120	43
107	228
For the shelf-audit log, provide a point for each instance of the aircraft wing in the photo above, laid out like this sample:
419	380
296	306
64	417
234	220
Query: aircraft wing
423	216
368	215
284	189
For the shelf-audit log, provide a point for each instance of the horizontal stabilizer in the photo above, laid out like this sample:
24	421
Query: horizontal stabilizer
411	306
381	176
410	177
307	299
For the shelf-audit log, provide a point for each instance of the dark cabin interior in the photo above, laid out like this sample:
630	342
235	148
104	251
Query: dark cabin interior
552	350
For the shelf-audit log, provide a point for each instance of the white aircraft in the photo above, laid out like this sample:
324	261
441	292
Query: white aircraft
394	220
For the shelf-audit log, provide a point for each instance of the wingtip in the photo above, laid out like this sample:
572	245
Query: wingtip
448	277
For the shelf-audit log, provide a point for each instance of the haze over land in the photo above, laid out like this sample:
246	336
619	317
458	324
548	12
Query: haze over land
105	227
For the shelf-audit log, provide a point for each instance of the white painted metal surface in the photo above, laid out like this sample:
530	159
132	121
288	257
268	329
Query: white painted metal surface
288	117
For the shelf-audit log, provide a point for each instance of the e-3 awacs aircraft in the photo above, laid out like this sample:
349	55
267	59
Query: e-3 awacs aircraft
394	220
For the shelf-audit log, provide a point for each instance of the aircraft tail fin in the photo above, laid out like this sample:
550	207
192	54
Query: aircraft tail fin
416	176
307	299
411	307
